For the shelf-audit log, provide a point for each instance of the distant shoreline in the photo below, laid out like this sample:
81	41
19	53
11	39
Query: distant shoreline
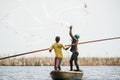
48	61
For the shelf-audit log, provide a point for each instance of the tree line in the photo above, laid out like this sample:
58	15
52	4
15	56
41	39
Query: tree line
48	61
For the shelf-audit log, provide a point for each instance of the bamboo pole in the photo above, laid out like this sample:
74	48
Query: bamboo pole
91	41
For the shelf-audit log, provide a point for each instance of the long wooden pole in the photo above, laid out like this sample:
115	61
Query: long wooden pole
98	40
106	39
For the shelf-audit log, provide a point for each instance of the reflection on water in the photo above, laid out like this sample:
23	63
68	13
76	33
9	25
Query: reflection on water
42	72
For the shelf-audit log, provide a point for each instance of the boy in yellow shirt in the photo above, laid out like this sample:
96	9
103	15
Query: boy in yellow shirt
57	46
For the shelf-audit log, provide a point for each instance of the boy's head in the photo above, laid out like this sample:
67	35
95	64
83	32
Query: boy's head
57	39
77	36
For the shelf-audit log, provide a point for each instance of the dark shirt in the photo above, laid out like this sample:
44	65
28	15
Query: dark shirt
74	47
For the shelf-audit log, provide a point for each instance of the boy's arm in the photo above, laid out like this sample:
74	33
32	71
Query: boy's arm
65	48
70	33
50	49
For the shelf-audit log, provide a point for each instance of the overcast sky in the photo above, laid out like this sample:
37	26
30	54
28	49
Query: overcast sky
28	25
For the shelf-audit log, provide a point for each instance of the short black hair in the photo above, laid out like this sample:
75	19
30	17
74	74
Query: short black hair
57	39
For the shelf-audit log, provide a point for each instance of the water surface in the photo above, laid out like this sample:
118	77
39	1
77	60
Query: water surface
42	72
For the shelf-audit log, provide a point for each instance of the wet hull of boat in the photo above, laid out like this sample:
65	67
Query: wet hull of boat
66	75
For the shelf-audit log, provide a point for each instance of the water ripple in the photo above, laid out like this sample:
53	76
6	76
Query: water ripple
42	72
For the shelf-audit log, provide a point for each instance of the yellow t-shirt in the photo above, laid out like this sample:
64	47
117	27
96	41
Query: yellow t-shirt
58	49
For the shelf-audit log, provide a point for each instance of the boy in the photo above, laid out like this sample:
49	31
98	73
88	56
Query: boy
74	50
57	46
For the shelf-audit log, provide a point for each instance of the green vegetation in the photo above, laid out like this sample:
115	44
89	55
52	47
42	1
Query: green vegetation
48	61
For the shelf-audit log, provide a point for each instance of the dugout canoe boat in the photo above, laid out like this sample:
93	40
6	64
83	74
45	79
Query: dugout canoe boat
66	75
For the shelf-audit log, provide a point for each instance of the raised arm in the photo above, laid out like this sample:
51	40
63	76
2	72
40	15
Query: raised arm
70	33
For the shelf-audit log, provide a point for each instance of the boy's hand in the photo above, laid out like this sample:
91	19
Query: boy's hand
50	50
71	27
67	48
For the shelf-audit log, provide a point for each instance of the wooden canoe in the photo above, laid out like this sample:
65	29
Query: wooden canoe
66	75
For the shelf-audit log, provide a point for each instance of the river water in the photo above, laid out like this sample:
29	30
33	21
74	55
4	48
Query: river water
42	72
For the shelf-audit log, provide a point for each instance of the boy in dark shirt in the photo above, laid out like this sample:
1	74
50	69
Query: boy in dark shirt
74	50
